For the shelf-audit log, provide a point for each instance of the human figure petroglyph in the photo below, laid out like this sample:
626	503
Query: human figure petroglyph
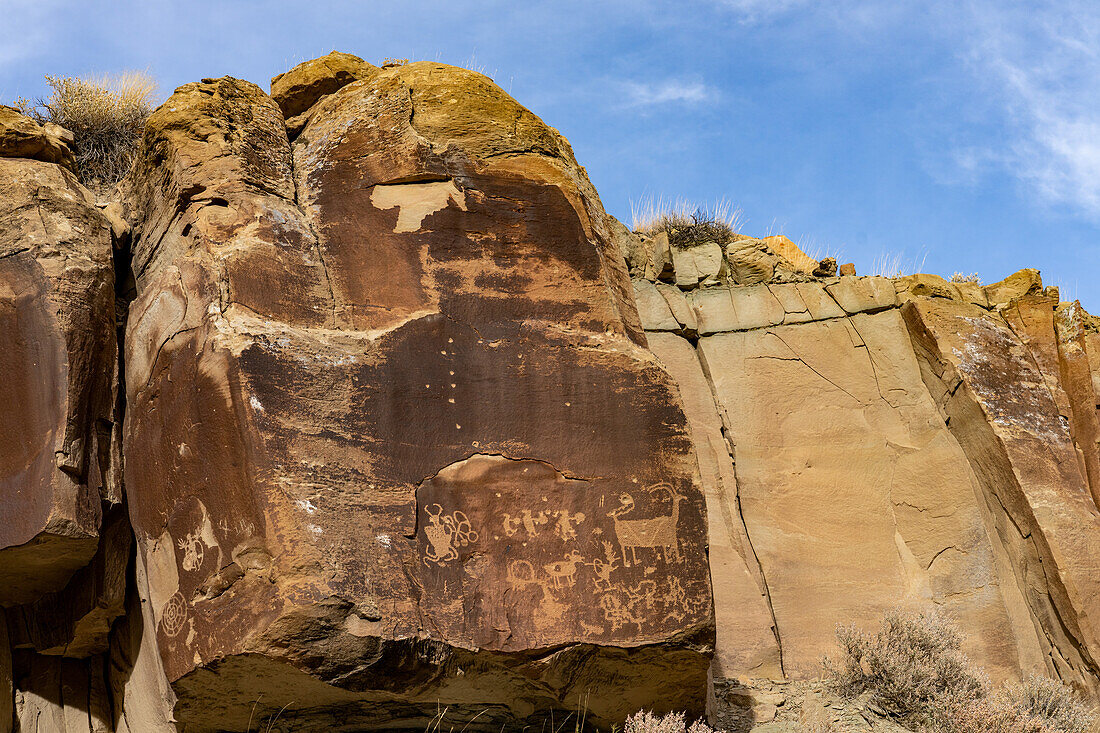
195	543
658	533
604	567
193	551
529	520
564	572
446	534
566	520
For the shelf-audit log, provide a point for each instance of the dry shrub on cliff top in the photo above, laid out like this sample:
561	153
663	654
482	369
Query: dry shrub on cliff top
106	116
914	670
687	224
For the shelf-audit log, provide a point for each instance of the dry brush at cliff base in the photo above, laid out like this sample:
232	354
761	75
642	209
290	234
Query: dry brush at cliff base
914	670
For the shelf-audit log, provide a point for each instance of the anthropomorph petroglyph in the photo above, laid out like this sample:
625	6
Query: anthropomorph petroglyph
566	520
658	533
604	567
446	534
529	520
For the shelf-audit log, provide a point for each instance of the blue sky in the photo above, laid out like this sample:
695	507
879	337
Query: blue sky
964	135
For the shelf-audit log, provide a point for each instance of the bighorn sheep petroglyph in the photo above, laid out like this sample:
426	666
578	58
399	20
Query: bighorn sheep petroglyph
656	532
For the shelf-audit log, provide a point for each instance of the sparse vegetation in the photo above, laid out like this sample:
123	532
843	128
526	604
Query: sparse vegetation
106	116
645	722
913	669
894	264
960	277
687	224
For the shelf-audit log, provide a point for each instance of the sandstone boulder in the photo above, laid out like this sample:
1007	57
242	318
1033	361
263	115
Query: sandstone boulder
297	90
1016	285
22	137
57	324
791	252
394	444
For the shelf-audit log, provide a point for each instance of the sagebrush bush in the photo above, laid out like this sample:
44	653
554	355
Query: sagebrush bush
645	722
912	664
685	223
913	669
106	116
1054	704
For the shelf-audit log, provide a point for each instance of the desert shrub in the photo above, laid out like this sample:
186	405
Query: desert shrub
960	277
106	116
645	722
910	666
1054	704
685	223
913	669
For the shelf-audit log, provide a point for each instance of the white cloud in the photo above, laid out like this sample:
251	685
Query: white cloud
1042	64
669	91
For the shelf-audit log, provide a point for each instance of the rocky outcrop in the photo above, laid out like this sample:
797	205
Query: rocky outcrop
914	442
65	539
57	322
392	430
417	435
22	137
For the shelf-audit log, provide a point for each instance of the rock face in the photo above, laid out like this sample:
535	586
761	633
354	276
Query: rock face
65	539
417	435
57	323
392	429
911	443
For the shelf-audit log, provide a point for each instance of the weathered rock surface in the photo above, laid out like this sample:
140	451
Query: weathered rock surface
22	137
944	459
392	432
58	329
299	89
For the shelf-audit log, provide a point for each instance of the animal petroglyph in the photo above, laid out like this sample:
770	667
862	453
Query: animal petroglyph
658	533
446	534
564	572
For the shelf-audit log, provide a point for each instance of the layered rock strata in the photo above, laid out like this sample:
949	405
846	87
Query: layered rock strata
877	443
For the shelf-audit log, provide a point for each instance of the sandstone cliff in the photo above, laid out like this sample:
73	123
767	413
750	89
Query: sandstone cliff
355	409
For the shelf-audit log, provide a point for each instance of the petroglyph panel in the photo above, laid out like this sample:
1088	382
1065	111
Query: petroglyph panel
514	555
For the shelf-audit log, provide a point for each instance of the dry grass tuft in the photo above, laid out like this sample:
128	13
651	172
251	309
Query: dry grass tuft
687	223
960	277
914	670
895	265
106	116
